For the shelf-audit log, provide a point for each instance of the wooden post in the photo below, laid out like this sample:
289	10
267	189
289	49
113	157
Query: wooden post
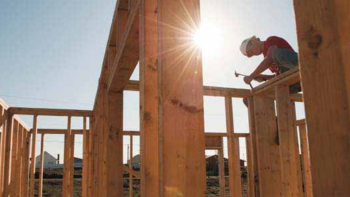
171	98
19	163
85	175
8	154
102	126
250	167
287	139
296	155
1	178
95	153
32	162
131	192
115	145
254	169
41	169
14	170
66	167
221	170
2	146
25	177
306	161
71	164
91	159
269	161
233	152
150	152
324	39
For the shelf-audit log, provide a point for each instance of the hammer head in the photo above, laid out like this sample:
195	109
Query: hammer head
236	74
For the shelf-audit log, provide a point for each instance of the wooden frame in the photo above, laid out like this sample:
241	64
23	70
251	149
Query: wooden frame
48	112
21	136
170	88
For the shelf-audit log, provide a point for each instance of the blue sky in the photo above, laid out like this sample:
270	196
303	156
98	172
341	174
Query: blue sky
51	55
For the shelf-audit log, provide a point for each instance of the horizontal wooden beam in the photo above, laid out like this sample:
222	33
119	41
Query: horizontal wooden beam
213	148
211	134
213	143
128	53
300	122
287	78
121	5
231	92
208	90
59	131
131	133
219	91
296	97
49	112
133	172
136	133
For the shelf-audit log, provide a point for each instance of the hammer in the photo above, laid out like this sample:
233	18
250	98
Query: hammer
239	74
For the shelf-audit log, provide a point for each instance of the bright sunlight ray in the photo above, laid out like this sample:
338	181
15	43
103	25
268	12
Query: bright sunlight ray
208	38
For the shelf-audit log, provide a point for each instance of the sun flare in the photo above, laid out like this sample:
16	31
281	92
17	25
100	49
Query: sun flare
208	37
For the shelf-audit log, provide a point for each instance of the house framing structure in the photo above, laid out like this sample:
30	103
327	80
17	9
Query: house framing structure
157	35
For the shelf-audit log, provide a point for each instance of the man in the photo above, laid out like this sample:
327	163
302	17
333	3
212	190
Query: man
279	57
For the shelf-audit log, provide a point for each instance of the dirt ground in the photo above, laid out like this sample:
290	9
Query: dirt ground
53	188
52	185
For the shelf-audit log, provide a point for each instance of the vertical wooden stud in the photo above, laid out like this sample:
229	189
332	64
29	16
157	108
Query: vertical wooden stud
296	154
287	143
85	176
233	152
171	98
102	127
41	167
306	161
19	162
8	154
254	175
221	170
14	170
2	145
250	167
115	145
32	162
267	149
324	40
149	137
26	158
66	166
71	164
131	182
91	159
95	152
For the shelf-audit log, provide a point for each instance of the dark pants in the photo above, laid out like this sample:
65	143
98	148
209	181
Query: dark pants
286	60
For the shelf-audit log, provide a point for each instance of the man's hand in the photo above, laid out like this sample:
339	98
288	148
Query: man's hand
247	79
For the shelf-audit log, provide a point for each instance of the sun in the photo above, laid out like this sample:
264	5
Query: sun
208	38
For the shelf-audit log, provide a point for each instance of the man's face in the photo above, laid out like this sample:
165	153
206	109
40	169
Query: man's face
253	48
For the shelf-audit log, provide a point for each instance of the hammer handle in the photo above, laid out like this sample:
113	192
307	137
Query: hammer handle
251	86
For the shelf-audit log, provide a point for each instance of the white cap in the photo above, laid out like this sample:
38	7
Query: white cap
244	45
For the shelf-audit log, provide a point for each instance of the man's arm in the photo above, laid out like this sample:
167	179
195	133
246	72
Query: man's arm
265	64
262	78
266	77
